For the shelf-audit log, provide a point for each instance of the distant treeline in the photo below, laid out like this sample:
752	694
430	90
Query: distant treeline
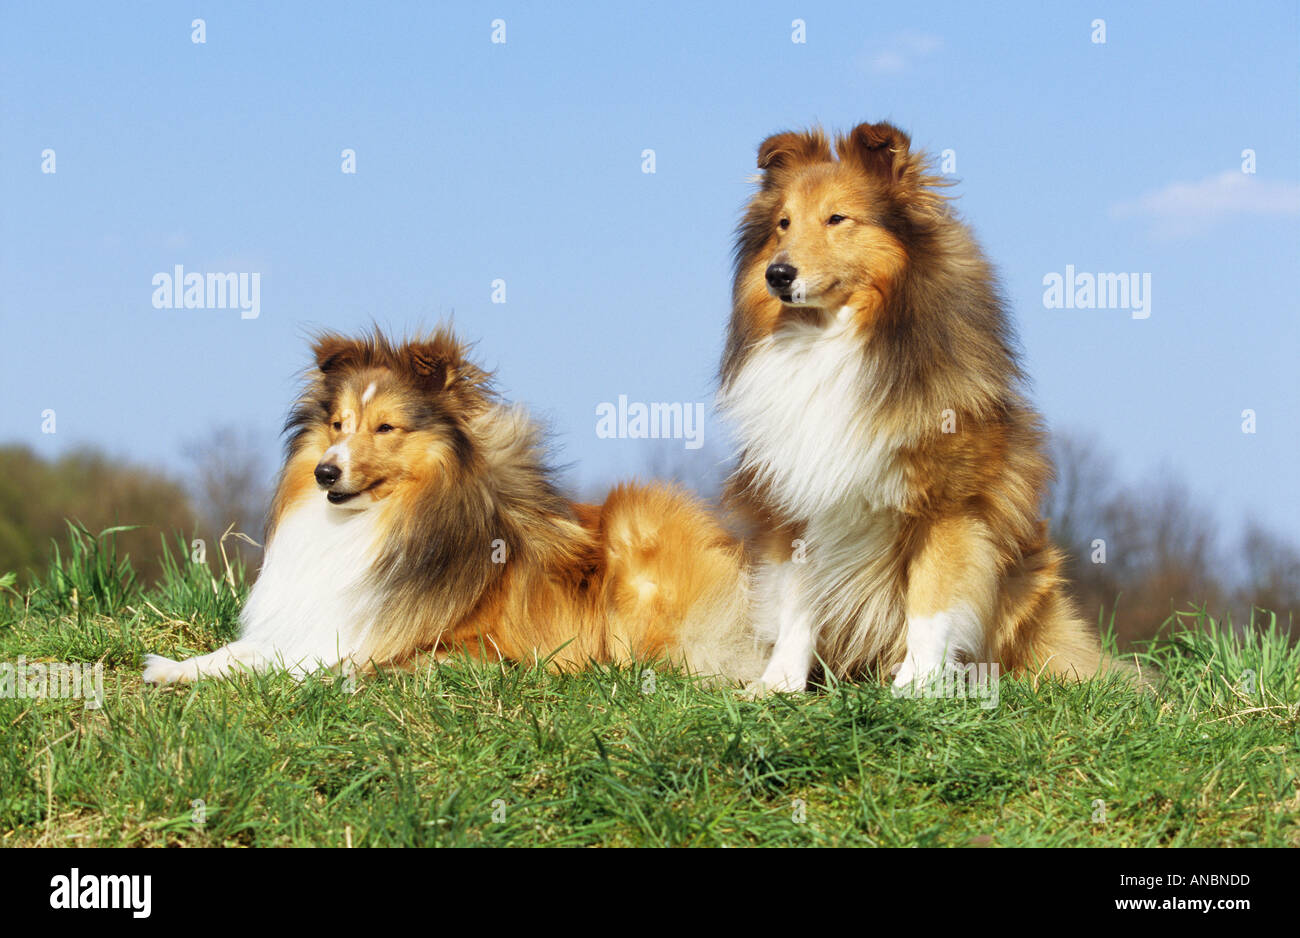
39	496
1141	551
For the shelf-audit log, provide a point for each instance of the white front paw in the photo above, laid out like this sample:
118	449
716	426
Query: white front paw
160	670
757	690
912	675
776	683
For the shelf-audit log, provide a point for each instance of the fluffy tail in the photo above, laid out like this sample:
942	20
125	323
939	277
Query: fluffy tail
716	637
678	583
1067	647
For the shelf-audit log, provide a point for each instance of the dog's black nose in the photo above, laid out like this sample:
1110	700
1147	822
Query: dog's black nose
780	276
327	474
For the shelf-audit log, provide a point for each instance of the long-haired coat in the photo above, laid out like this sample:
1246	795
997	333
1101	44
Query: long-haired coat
892	469
416	512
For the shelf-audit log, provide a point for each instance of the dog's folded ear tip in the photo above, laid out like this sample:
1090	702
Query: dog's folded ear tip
791	147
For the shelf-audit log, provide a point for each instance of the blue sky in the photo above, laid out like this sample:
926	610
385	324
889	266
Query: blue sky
523	161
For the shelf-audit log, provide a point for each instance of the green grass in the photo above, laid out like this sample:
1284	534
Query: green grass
503	755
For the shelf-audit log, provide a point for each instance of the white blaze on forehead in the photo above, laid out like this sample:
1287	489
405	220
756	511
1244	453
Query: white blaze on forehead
370	392
339	455
349	420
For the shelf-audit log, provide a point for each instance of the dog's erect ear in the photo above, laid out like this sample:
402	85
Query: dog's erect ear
780	153
441	363
333	351
881	149
429	364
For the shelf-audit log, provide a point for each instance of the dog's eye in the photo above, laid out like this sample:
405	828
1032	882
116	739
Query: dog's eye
338	425
835	219
385	428
783	224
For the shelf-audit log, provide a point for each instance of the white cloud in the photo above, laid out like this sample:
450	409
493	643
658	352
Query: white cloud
896	53
1182	209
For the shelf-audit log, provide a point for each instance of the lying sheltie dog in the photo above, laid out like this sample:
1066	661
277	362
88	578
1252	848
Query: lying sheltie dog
891	467
416	512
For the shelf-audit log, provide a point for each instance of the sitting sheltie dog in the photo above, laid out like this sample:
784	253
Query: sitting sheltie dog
416	512
891	467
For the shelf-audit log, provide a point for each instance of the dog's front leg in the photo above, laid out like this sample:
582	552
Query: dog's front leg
783	600
236	655
951	597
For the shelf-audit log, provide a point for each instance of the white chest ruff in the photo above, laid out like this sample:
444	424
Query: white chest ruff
311	605
802	404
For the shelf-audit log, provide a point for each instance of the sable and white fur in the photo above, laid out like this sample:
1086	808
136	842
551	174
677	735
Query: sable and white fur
416	512
892	470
